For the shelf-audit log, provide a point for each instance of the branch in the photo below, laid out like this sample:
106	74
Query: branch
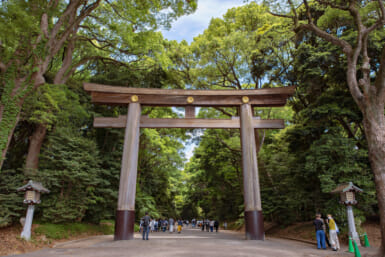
67	61
70	72
281	15
44	25
3	67
226	145
380	78
308	13
223	111
73	26
337	6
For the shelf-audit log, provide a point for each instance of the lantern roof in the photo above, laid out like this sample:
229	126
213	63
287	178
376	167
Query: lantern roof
36	186
346	187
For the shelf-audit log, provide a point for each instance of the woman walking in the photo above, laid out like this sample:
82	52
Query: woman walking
333	237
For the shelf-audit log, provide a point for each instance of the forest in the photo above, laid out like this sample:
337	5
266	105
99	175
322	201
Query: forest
48	49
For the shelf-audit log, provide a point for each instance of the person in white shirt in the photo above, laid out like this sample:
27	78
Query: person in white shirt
171	225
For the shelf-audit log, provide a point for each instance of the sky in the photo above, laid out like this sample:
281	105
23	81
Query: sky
189	26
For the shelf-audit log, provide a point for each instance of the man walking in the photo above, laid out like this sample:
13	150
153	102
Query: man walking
216	225
146	226
319	231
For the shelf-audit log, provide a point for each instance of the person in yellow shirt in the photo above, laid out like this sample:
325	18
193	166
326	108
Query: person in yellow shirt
180	224
333	237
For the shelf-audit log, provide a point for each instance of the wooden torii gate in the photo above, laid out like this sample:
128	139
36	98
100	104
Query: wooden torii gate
135	98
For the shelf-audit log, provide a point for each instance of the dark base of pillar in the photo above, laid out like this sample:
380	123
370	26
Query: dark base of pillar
254	225
124	225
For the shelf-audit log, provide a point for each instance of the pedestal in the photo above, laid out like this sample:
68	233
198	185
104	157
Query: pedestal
26	233
352	226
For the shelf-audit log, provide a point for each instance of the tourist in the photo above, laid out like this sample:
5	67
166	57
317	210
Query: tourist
140	225
180	224
211	225
146	226
171	225
164	225
333	229
319	231
325	231
216	225
152	225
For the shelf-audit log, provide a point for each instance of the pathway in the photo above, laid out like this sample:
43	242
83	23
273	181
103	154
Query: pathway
190	243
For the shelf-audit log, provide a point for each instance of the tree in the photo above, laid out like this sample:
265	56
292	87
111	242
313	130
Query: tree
37	32
49	106
365	74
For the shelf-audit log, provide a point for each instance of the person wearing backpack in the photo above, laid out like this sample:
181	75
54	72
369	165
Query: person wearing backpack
216	225
146	226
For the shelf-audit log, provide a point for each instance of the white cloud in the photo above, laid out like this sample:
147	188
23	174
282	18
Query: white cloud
188	27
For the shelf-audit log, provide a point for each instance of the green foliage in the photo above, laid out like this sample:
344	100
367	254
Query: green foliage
54	105
61	231
11	201
69	167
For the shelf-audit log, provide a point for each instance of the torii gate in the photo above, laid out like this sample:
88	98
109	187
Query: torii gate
134	98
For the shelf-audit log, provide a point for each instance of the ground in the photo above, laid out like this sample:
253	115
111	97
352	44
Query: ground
304	231
191	242
10	242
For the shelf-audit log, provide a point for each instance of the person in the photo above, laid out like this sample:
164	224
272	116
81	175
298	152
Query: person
164	225
335	244
152	225
203	225
160	224
171	225
216	225
140	225
146	226
156	226
211	225
225	225
180	224
325	231
319	231
207	225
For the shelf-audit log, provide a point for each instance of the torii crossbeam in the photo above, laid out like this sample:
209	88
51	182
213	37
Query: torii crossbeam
135	98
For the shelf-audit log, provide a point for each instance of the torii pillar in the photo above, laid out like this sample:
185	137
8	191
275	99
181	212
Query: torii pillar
251	190
125	213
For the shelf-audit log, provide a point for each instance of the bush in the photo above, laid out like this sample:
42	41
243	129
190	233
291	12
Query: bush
60	231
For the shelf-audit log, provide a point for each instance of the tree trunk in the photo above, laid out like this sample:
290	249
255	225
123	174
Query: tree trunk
35	143
8	125
375	135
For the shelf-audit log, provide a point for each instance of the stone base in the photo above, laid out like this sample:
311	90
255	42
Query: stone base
356	238
124	225
254	225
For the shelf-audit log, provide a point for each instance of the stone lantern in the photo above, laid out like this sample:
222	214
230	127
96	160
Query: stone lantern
31	197
347	193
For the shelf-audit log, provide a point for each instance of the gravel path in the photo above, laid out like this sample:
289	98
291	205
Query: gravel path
190	243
